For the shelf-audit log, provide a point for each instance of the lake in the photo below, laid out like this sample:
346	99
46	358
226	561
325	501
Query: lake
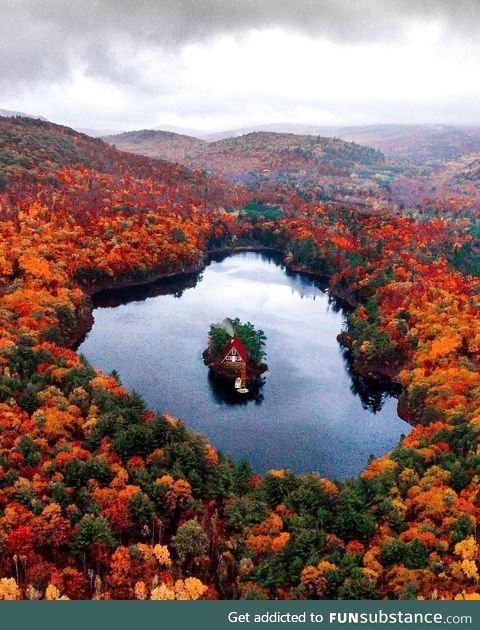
311	413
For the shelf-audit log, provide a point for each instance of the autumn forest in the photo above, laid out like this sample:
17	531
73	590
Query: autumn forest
100	498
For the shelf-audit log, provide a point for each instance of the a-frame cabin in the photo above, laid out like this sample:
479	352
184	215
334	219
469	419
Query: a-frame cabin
234	354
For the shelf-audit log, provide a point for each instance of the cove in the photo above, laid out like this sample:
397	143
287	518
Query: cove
311	413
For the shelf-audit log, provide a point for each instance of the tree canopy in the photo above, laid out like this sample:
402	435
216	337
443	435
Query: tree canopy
253	340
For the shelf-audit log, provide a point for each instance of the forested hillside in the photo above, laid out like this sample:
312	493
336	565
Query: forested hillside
275	155
406	143
100	498
32	150
259	155
432	172
164	145
413	143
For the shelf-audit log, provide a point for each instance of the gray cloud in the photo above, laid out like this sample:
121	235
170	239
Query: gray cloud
123	63
43	40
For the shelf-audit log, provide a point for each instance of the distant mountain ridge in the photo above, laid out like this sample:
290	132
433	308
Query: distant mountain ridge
165	145
412	143
272	155
8	113
406	143
409	143
96	133
260	154
184	131
33	149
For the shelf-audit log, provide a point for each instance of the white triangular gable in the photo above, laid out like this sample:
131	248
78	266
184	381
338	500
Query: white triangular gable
232	356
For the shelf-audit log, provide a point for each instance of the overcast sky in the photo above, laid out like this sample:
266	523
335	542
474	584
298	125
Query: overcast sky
219	64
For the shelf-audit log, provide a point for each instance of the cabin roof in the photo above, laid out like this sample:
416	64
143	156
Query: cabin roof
239	347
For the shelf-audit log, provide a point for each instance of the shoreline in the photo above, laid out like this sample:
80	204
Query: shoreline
84	316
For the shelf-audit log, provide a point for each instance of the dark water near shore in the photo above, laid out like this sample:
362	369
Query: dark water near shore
311	412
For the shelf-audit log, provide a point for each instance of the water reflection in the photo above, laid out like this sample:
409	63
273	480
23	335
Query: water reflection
373	393
311	411
175	286
225	394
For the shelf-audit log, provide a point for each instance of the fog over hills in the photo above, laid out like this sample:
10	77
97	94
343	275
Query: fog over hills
413	143
97	133
265	154
8	113
185	131
417	143
156	143
276	154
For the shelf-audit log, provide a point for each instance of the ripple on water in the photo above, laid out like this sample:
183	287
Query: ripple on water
311	412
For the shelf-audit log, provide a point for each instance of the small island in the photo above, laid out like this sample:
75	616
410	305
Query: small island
235	352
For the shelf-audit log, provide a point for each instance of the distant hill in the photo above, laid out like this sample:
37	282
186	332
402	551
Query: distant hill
183	131
415	143
303	130
96	133
8	113
263	155
165	145
31	144
271	155
407	143
33	150
466	168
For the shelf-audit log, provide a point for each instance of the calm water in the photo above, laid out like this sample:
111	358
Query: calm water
311	412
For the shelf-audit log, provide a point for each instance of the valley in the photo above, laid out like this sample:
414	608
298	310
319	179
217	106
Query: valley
101	491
